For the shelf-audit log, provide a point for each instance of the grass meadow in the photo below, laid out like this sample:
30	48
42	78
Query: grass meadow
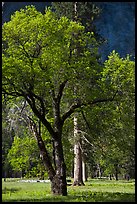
95	190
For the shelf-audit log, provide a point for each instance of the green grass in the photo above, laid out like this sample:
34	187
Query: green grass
94	191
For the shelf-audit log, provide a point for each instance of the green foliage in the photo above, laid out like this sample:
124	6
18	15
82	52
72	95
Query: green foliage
8	134
39	54
68	141
26	149
86	13
110	126
28	159
120	72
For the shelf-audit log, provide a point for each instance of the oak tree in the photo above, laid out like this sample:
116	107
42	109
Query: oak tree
40	65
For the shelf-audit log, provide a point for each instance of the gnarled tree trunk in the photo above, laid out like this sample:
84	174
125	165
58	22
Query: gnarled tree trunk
58	182
57	176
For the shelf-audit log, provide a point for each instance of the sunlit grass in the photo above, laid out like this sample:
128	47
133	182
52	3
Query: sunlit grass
93	191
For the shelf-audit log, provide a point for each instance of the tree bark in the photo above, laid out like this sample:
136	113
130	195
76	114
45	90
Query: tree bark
84	171
57	176
116	171
59	183
72	170
78	180
5	176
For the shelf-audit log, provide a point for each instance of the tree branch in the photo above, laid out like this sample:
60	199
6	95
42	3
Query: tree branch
26	53
87	123
79	105
61	90
44	153
11	93
31	101
41	102
70	111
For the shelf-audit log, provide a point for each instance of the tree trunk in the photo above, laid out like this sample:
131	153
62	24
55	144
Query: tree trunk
59	183
84	171
57	176
5	176
78	180
72	170
77	146
116	172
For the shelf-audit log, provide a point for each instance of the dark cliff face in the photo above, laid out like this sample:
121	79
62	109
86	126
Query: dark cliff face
10	7
116	24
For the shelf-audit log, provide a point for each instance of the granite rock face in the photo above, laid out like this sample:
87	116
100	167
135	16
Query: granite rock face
10	7
116	24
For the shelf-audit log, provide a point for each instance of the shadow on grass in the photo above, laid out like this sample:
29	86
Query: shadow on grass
9	190
85	196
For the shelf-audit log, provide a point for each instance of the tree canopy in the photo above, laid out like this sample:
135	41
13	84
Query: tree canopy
40	64
37	46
